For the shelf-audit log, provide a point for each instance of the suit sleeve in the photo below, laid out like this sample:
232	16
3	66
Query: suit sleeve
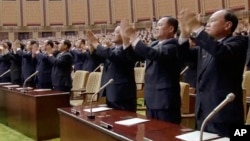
166	52
230	49
64	60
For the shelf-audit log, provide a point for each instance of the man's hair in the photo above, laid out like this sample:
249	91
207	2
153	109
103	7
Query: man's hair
83	41
50	42
8	43
67	43
32	42
173	22
230	16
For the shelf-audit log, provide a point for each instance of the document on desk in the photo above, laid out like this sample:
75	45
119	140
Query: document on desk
5	83
222	139
11	86
99	109
132	121
195	136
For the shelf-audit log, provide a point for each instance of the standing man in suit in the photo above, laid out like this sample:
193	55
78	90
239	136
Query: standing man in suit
78	55
248	55
43	79
162	88
4	62
16	61
221	61
62	67
121	94
28	62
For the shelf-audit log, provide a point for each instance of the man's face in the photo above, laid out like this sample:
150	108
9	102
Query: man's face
216	25
162	29
117	36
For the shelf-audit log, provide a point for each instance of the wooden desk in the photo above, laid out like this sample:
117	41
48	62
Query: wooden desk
80	128
34	113
3	108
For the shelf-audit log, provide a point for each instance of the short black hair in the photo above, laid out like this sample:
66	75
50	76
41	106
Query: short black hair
56	42
173	22
230	16
8	43
83	41
67	43
32	42
50	42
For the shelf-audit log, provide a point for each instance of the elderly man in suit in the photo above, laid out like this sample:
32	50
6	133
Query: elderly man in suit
221	61
121	94
62	67
162	88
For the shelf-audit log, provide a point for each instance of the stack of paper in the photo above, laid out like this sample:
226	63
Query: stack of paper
195	136
99	109
11	86
132	121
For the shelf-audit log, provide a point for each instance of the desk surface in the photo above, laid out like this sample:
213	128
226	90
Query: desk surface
153	129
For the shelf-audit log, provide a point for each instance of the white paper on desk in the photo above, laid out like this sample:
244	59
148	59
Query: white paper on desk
132	121
27	88
5	83
195	136
222	139
11	86
99	109
41	90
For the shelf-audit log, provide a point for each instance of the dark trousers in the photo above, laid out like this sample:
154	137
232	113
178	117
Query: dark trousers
128	105
44	85
173	116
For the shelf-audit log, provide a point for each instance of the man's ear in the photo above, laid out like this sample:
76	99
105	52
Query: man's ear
229	25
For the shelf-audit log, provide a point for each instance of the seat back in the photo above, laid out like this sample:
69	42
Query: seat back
184	92
79	81
139	77
93	85
246	82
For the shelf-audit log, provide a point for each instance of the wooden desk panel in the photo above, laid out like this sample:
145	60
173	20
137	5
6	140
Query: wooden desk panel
73	127
3	108
35	113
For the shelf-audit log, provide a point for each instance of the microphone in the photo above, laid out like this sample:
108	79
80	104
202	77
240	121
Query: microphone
230	97
28	78
91	115
184	70
3	74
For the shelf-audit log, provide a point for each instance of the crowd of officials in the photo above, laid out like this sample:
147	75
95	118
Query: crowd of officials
215	54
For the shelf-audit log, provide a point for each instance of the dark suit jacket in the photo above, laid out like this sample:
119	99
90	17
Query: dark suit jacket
44	67
119	68
162	88
15	67
220	70
248	55
78	59
4	66
61	71
91	61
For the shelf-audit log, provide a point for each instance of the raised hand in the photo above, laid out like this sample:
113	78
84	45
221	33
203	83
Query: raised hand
92	39
127	31
188	22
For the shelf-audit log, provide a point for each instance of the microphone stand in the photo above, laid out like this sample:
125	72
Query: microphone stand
230	97
91	115
24	90
3	74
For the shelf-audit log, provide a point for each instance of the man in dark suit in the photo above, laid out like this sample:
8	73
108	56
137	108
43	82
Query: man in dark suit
221	61
16	61
62	67
90	61
28	62
5	63
121	94
43	79
78	55
162	88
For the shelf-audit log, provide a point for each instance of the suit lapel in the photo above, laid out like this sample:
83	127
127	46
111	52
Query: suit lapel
154	45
